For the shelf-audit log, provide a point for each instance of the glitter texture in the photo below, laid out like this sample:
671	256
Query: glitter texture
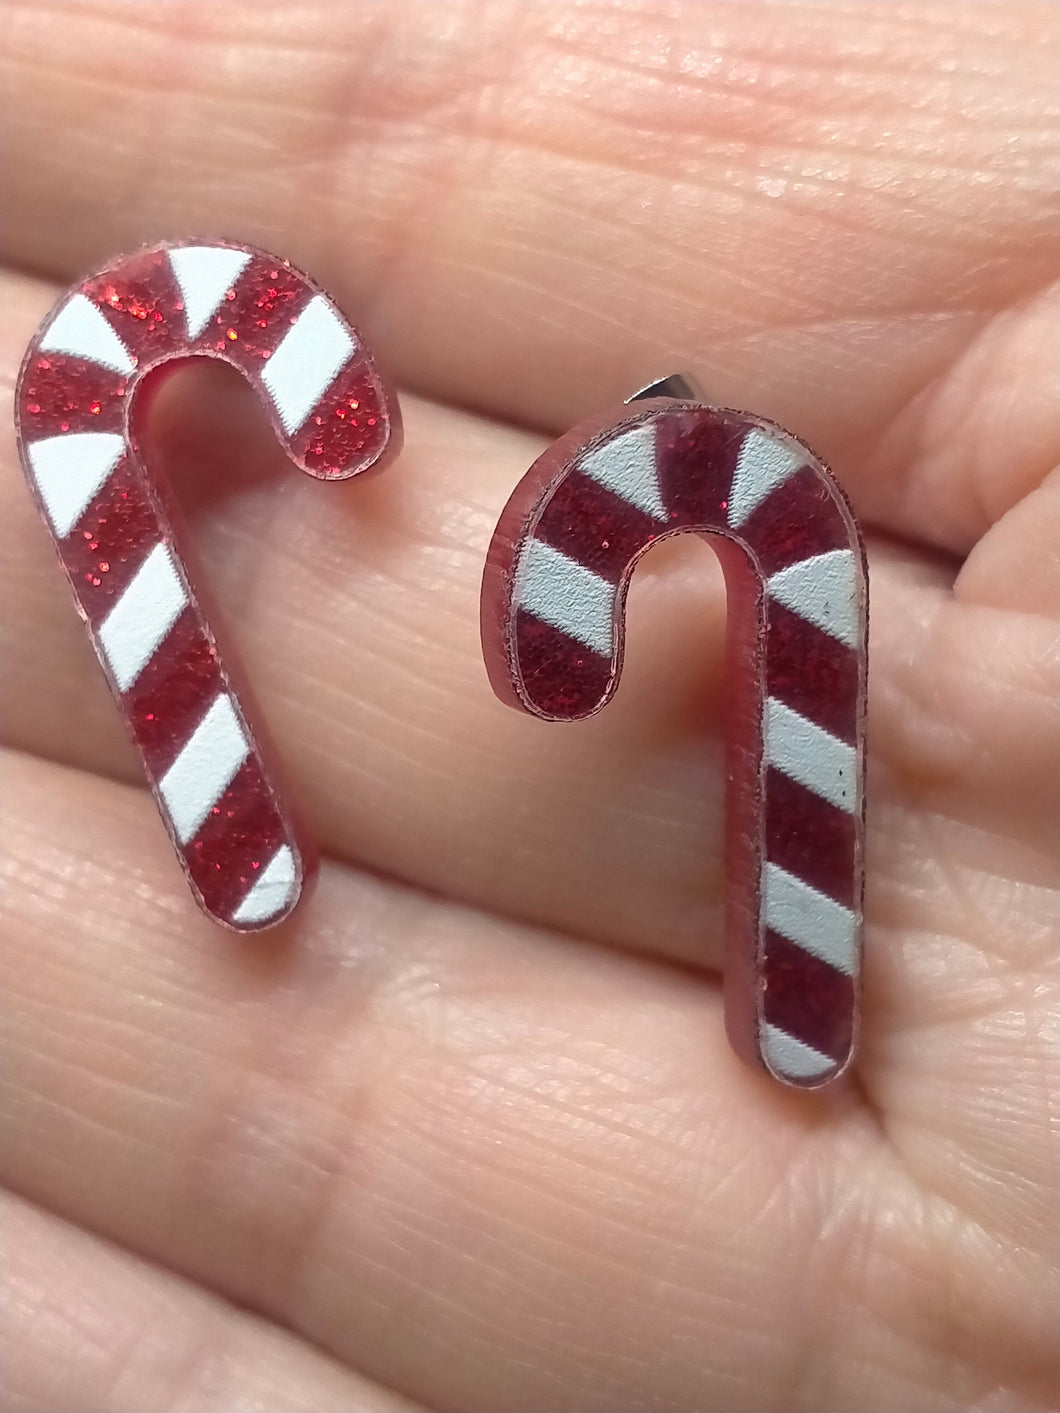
61	394
780	810
137	315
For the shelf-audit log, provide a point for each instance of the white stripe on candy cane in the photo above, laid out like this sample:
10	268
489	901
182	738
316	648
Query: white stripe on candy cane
807	753
271	891
824	590
567	595
764	463
810	919
135	627
788	1056
205	274
628	466
191	786
764	490
80	330
70	470
306	362
107	514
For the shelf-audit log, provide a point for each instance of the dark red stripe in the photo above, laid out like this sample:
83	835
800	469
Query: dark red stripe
110	542
62	394
806	997
696	457
810	838
802	517
248	327
349	424
141	301
812	672
169	698
563	679
236	841
594	526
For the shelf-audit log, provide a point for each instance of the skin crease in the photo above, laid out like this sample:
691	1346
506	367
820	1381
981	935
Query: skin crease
465	1136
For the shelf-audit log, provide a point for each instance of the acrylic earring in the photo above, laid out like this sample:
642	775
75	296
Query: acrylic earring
246	857
552	634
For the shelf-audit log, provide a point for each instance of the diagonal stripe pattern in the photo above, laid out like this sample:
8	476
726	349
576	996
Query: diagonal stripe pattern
763	464
812	756
720	473
271	892
824	590
627	466
82	330
111	528
563	593
70	471
809	918
205	273
214	752
307	362
139	621
785	1055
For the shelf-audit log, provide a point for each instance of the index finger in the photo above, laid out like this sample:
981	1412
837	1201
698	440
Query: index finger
536	208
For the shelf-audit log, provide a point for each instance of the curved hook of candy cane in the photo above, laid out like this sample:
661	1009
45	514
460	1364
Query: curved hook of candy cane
243	849
552	633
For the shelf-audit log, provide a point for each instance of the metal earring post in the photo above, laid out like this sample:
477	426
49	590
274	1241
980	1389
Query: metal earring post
681	386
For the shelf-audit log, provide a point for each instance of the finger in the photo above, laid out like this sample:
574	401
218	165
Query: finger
485	1165
425	749
86	1325
975	444
964	712
585	203
356	608
1016	566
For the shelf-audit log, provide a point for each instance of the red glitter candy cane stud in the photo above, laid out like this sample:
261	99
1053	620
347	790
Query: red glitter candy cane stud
552	624
240	845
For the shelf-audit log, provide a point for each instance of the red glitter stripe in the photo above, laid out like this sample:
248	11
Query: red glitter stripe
348	425
110	541
236	840
562	678
810	838
812	672
594	526
168	699
59	394
807	998
696	457
252	319
799	519
141	301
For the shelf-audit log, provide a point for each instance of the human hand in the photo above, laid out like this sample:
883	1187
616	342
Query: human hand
465	1135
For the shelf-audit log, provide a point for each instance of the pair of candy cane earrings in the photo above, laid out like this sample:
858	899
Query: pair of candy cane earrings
552	608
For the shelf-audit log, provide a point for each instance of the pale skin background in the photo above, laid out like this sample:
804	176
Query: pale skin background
466	1135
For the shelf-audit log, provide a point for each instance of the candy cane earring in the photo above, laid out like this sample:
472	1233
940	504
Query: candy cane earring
245	856
552	635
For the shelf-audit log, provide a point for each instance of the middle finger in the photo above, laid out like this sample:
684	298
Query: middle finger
357	609
357	613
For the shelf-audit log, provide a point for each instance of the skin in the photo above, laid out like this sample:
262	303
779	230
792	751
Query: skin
465	1134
